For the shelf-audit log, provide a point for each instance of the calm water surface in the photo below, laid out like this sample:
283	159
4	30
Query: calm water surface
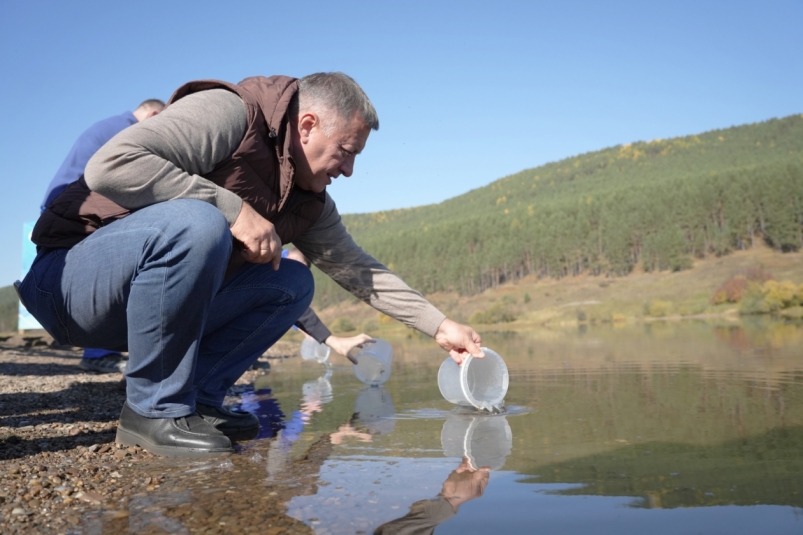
663	428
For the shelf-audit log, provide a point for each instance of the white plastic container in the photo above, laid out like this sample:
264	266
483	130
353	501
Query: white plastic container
373	362
480	383
485	440
312	350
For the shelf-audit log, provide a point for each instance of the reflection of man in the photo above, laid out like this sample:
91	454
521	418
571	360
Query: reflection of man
462	485
225	169
465	484
93	138
348	430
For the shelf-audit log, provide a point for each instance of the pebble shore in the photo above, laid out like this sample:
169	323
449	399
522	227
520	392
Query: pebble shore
61	472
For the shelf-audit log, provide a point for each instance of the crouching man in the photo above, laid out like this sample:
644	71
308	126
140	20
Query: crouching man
189	212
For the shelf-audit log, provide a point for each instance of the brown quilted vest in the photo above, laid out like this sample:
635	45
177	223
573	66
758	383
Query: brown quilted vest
260	171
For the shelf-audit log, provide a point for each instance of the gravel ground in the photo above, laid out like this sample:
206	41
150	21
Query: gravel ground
61	472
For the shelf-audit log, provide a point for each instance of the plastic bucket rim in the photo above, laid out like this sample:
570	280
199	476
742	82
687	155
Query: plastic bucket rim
464	381
464	378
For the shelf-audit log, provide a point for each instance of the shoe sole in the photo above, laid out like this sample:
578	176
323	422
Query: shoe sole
127	438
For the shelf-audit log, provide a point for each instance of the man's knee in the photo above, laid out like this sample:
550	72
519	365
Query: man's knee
304	284
202	226
201	219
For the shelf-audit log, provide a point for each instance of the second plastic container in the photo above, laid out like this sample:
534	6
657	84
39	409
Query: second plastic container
373	362
480	383
312	350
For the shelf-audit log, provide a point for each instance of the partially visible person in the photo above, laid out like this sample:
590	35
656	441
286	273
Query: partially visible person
311	325
90	141
87	144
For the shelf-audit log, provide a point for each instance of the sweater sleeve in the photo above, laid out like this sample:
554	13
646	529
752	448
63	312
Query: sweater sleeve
329	246
166	156
310	323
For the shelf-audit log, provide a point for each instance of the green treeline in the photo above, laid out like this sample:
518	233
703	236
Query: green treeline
658	204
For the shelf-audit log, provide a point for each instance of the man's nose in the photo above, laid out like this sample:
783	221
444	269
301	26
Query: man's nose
347	167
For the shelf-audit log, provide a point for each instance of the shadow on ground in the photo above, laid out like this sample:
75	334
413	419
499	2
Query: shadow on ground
14	447
12	369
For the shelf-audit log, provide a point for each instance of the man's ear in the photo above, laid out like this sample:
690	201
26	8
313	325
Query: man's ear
151	114
306	124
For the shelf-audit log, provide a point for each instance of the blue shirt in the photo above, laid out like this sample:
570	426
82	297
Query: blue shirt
85	146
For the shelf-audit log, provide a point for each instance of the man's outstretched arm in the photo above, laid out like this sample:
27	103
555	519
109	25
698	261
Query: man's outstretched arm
328	245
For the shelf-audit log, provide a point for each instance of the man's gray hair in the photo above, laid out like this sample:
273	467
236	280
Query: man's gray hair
152	104
336	93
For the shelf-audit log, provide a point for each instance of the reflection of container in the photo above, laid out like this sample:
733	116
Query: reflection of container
375	410
319	389
312	350
373	362
485	440
481	383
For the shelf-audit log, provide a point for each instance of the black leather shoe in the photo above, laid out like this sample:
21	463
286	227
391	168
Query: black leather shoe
235	424
187	436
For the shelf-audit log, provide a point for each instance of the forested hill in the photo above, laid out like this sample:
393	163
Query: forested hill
658	203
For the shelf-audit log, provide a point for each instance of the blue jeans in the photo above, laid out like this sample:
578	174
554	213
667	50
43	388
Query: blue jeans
152	283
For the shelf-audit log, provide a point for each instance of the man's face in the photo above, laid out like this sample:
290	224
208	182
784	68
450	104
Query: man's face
320	158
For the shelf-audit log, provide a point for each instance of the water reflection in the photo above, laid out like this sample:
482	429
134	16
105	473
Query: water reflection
482	441
463	484
148	512
374	414
374	410
673	429
314	395
258	399
765	469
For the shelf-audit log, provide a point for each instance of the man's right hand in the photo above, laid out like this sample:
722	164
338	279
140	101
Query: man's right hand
260	242
459	340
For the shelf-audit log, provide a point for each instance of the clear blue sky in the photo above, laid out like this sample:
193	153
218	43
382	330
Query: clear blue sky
467	91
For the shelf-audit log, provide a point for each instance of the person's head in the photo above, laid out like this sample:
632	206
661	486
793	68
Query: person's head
148	109
298	256
330	120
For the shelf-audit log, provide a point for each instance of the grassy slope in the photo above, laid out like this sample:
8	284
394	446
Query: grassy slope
557	302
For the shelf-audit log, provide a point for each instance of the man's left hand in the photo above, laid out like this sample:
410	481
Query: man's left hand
459	340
